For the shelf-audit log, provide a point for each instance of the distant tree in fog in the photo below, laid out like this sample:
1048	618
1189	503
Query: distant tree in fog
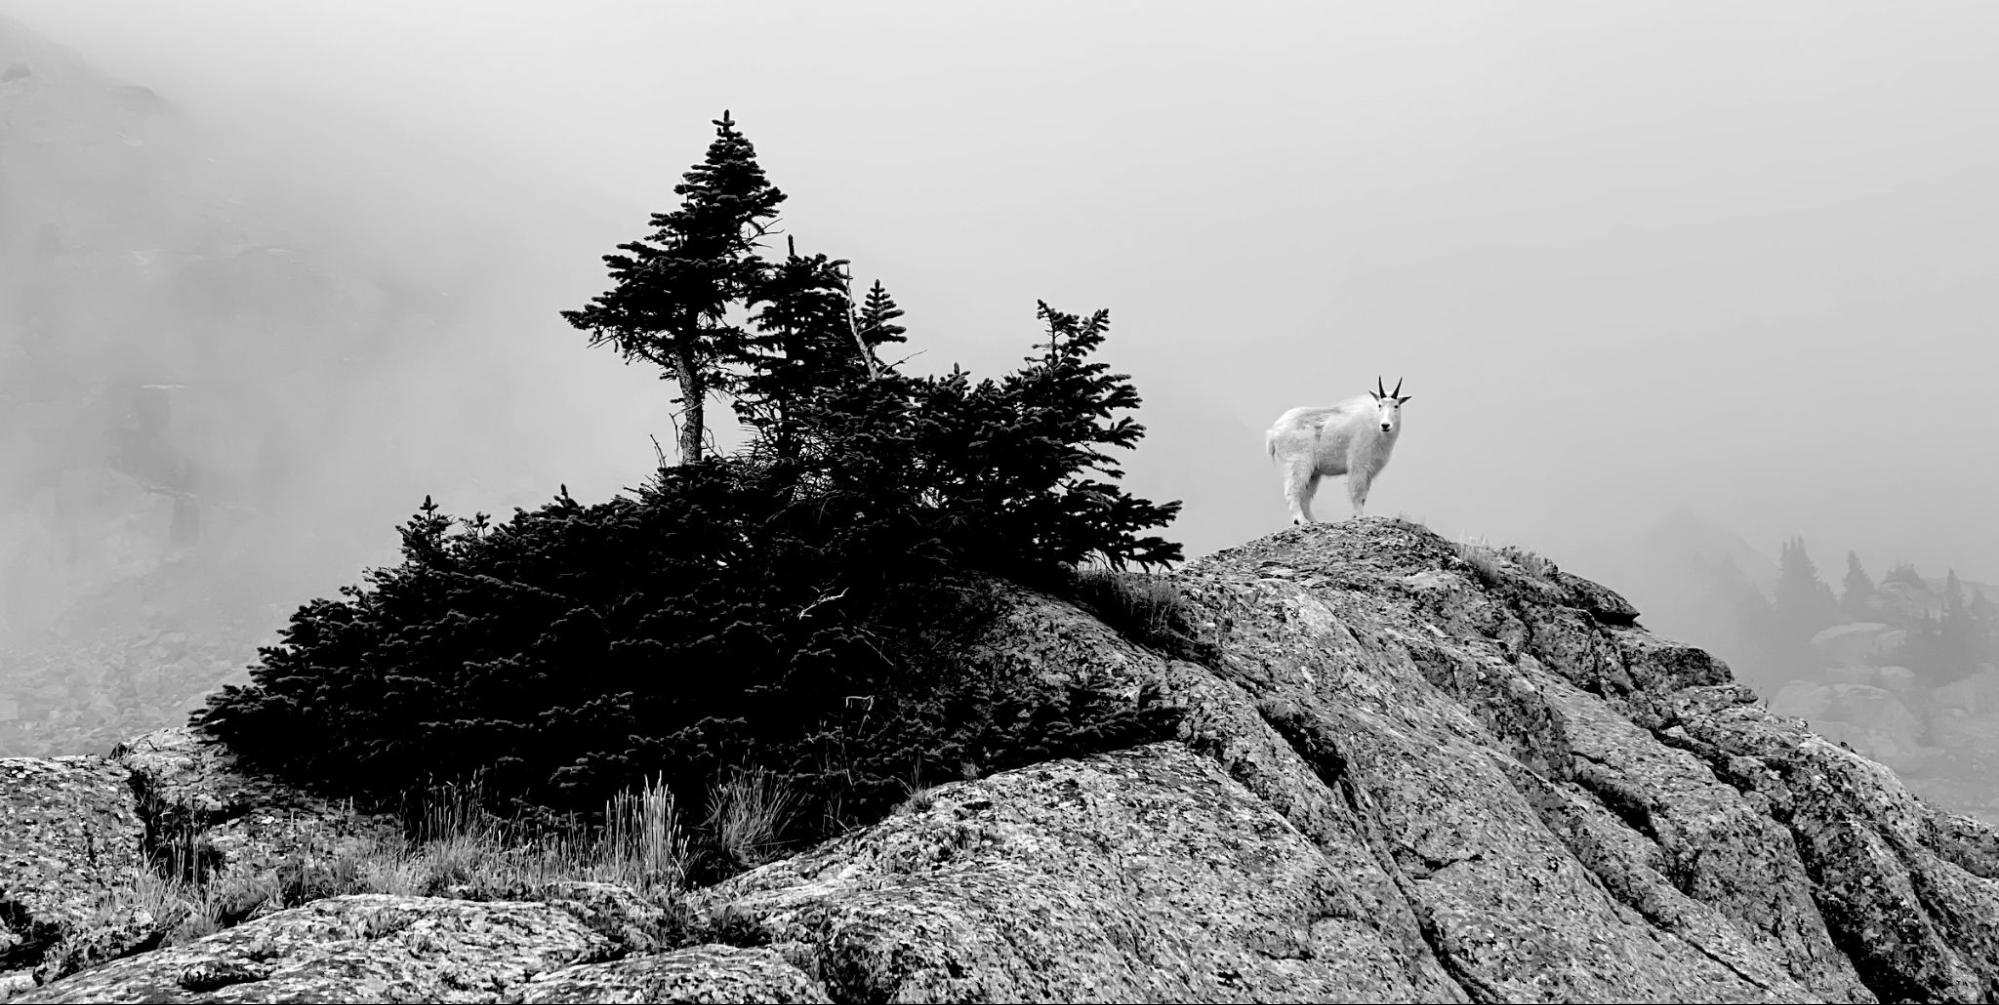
1984	614
1963	642
1804	604
1947	647
1857	592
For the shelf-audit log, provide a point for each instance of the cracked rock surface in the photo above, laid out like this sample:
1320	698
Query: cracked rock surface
359	948
70	839
1406	773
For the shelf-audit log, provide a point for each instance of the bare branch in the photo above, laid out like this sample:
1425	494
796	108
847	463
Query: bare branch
867	358
826	599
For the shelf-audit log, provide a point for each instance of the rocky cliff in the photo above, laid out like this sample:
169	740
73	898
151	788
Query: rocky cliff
1408	772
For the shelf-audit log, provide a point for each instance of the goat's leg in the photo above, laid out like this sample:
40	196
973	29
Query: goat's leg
1357	486
1300	482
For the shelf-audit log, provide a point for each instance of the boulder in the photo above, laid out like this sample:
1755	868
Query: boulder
1968	694
206	813
1900	680
1856	644
1803	699
1877	711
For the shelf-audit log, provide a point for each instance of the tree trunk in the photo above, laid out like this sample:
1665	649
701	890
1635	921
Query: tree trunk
694	400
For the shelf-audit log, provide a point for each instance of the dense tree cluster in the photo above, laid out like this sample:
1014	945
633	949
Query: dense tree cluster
798	606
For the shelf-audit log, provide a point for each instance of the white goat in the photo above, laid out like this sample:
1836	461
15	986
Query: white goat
1352	438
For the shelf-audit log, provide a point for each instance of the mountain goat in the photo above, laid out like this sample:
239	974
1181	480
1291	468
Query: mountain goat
1352	438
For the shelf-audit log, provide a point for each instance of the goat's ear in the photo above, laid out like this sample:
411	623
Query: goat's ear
1404	398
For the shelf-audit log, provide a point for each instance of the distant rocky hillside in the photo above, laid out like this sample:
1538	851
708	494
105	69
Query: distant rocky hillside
162	332
203	388
1853	676
1409	772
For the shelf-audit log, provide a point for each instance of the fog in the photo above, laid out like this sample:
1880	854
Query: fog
1630	260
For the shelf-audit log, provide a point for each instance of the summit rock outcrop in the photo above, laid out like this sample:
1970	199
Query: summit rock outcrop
1409	770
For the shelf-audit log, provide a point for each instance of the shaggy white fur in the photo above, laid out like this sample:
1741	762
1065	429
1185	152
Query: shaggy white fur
1352	438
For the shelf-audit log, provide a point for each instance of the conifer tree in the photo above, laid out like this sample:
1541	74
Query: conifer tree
1804	605
1984	613
875	324
1029	445
669	305
1956	634
1857	592
802	349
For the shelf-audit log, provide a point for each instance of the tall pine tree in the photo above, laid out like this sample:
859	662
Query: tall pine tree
673	290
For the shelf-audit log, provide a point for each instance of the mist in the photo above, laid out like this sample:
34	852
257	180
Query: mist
1631	261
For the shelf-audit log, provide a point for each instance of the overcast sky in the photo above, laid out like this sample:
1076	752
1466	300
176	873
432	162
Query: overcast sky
1628	258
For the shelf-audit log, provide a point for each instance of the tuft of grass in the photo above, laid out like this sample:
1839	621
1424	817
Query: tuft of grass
644	845
454	849
916	795
748	814
1487	561
1481	559
1535	565
1147	608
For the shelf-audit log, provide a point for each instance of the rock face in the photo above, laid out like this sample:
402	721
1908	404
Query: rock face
1406	773
69	834
1141	876
363	948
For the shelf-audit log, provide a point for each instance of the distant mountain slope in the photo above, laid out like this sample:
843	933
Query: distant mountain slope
208	389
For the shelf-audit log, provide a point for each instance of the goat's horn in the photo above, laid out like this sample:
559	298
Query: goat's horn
1398	388
1379	391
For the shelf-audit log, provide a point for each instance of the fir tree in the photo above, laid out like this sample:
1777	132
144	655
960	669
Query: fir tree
1857	592
1804	605
669	305
1957	634
1984	619
803	347
1984	614
1033	442
875	324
